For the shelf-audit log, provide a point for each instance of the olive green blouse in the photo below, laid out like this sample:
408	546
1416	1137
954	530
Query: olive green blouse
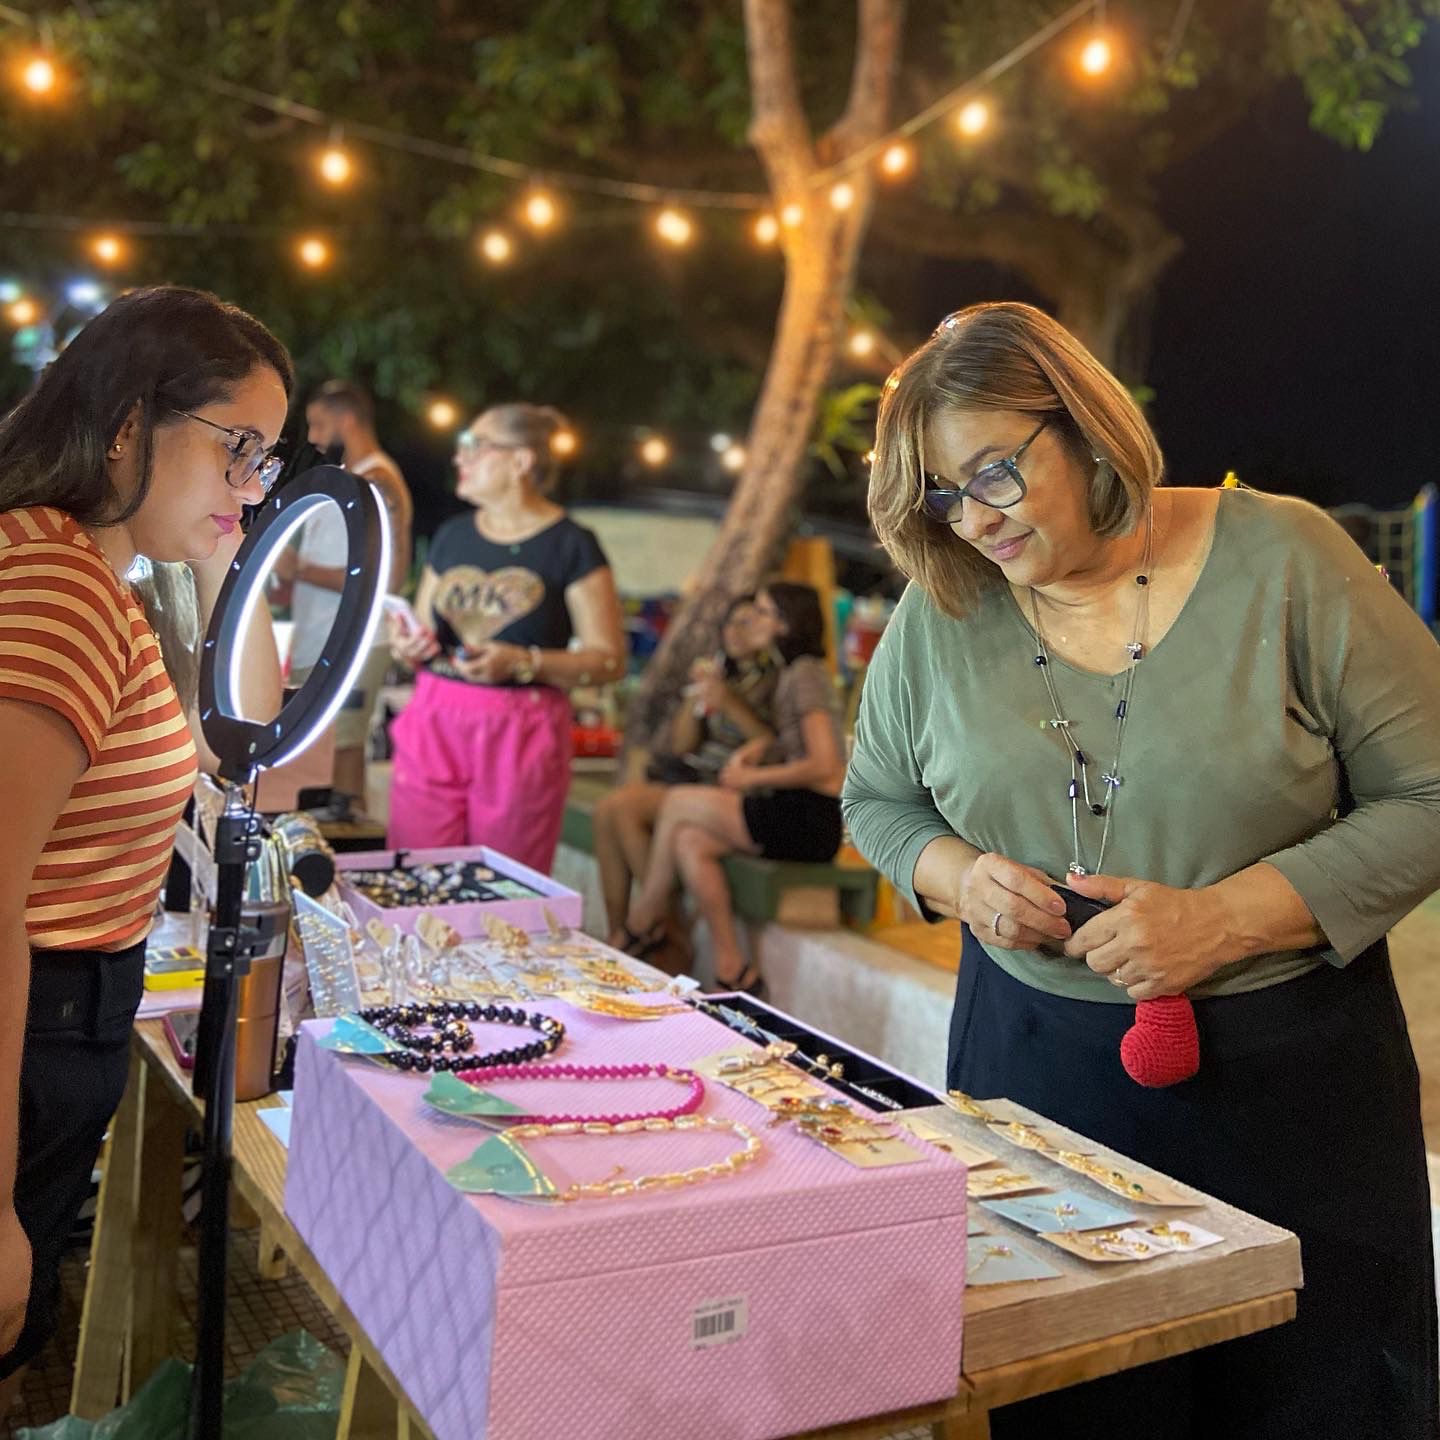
1291	714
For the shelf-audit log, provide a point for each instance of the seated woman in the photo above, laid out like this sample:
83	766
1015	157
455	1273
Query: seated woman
727	703
784	809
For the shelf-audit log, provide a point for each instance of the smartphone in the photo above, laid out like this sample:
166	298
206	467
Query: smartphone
181	1027
1079	908
399	609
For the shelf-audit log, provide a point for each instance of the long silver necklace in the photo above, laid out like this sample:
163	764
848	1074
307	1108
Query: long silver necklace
1112	778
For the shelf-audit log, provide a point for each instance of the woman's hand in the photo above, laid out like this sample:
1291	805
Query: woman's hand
1155	939
412	646
1011	906
710	691
491	664
737	774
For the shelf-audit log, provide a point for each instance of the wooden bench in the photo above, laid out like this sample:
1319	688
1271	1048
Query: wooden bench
758	886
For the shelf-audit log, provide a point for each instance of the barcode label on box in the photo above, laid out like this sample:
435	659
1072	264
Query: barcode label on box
718	1322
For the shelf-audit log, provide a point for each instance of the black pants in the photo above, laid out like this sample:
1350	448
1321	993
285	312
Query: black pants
72	1075
1306	1112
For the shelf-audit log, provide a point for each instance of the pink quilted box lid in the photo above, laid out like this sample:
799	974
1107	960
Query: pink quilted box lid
796	1190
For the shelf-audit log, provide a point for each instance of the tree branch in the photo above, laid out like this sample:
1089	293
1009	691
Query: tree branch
877	55
779	130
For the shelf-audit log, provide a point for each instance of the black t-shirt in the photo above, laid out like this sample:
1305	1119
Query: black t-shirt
513	593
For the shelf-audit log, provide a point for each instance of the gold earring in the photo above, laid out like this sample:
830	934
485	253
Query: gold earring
117	449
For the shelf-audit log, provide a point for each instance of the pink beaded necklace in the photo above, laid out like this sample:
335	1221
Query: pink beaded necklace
687	1106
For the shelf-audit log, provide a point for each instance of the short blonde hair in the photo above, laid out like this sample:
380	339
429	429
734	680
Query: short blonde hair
534	427
1004	356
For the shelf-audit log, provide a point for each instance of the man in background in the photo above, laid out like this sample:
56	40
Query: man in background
341	416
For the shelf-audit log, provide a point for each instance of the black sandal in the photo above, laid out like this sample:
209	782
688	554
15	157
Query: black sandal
755	988
643	946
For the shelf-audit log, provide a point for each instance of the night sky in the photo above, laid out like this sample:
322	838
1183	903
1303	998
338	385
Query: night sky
1297	339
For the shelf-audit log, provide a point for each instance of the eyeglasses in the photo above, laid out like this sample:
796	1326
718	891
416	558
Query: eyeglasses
469	446
248	456
998	485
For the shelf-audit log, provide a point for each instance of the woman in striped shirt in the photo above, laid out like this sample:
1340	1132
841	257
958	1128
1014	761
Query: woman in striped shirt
145	438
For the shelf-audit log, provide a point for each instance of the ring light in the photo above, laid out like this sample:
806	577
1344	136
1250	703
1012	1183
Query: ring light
245	745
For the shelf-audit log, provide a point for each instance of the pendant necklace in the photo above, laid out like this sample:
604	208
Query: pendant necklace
1079	789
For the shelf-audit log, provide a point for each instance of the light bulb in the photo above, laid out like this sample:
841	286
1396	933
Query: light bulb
495	246
673	227
108	249
792	214
39	76
734	458
540	210
1096	57
442	414
23	312
335	167
564	443
842	196
767	228
655	452
862	343
896	161
314	253
973	118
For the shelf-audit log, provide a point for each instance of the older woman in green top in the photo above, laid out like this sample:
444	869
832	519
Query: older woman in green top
1206	710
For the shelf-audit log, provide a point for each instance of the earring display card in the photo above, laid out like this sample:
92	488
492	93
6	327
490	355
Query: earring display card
958	1149
994	1261
990	1184
1060	1210
1104	1247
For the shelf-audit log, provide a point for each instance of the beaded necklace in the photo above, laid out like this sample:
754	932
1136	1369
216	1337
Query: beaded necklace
484	1075
446	1019
1079	760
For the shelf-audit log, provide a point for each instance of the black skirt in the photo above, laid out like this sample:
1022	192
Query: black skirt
794	824
1306	1112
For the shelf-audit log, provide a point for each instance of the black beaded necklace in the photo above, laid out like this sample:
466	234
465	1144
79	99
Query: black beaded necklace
446	1020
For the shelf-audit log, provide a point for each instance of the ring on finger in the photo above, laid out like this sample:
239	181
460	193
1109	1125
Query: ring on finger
995	923
1115	979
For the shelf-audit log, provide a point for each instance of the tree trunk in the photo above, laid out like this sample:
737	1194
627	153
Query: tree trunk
821	254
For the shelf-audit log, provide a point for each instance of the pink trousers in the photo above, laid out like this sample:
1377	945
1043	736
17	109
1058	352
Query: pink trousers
481	765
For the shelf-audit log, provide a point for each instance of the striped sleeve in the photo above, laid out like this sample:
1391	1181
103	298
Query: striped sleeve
63	632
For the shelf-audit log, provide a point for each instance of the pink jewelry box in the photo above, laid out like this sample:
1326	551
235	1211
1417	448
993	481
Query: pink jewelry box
800	1293
469	919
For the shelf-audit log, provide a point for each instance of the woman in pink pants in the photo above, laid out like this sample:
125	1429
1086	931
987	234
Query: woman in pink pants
482	753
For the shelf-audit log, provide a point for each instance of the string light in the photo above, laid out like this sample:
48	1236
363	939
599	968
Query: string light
1097	55
108	249
655	452
733	458
564	443
540	211
842	196
314	253
335	166
442	414
674	228
862	343
767	229
495	246
792	214
897	160
23	312
39	75
973	118
720	442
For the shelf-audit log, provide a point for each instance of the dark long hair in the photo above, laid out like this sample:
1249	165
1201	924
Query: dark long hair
164	349
799	607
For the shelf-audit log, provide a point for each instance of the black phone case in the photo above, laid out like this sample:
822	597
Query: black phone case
1078	908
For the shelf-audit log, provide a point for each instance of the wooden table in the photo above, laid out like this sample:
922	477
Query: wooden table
127	1326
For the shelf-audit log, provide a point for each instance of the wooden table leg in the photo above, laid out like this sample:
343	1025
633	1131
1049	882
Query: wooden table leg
156	1246
105	1317
273	1264
368	1409
973	1426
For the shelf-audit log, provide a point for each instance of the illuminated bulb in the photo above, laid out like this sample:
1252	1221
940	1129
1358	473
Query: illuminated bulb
335	166
973	118
564	443
734	458
495	246
896	161
792	215
767	228
673	227
23	312
842	197
540	211
655	452
108	249
1095	58
442	414
862	343
314	253
39	76
719	443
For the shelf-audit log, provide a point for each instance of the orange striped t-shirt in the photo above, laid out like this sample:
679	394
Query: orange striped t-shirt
74	639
